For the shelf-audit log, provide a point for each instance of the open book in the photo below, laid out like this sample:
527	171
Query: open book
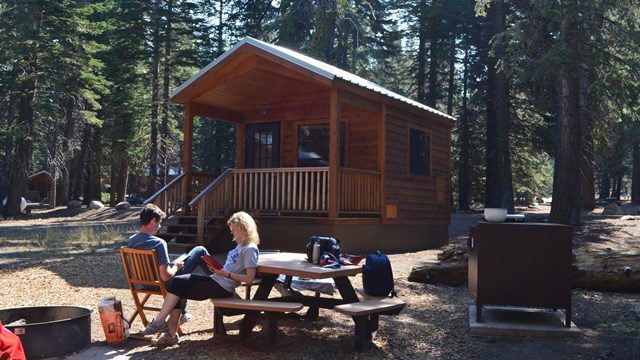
181	258
212	262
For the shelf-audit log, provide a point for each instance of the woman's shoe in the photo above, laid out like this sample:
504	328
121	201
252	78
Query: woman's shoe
154	328
166	340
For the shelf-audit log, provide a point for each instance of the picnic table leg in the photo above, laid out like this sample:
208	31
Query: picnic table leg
362	332
346	289
218	324
313	312
373	324
273	327
251	317
247	324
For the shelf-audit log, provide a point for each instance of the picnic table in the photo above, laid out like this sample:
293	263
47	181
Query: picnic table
273	265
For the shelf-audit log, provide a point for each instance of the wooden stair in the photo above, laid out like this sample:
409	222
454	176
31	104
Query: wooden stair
180	232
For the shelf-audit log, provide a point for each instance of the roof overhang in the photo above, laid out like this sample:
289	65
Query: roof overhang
253	74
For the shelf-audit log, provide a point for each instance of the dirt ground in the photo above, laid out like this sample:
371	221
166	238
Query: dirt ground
435	324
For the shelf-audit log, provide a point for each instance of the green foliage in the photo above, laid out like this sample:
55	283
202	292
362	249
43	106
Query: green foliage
88	65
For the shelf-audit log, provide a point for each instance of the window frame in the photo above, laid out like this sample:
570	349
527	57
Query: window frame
410	149
342	134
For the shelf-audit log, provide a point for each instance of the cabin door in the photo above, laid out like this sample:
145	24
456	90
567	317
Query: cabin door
263	145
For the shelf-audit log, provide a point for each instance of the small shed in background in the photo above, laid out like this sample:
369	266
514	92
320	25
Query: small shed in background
39	186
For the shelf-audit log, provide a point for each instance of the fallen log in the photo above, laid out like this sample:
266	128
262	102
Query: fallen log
606	271
600	271
452	269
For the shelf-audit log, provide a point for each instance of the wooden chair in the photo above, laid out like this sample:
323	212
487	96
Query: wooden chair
142	272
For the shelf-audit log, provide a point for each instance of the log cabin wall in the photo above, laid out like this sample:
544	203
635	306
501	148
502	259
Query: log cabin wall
313	108
362	140
419	199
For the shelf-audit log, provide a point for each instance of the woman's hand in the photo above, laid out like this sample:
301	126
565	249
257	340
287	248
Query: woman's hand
247	278
221	272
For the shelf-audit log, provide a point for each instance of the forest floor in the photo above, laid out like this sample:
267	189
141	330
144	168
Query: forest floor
70	257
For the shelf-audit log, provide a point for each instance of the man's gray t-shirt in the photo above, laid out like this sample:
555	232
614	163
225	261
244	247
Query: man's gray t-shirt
238	261
144	241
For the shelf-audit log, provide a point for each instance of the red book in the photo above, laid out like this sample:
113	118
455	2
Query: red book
211	262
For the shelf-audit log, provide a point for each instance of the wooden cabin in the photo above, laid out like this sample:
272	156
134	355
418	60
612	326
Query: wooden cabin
320	151
39	186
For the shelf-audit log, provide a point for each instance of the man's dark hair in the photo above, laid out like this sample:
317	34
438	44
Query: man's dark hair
150	211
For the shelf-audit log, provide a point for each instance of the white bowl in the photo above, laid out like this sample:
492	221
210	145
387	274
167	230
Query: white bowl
495	214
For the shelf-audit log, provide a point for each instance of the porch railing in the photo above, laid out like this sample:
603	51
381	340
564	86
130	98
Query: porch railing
171	197
360	191
289	190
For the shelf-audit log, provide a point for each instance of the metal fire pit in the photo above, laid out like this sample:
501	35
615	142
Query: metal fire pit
49	331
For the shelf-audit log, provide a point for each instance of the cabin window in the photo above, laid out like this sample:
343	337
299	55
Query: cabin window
419	152
313	145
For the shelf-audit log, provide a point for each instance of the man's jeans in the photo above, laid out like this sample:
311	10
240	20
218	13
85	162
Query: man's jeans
190	266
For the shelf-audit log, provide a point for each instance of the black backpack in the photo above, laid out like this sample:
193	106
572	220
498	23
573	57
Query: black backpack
377	276
327	244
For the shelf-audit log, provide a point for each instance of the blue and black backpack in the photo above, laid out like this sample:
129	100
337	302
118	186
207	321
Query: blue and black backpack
377	276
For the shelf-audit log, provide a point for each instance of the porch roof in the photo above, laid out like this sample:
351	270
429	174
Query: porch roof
196	87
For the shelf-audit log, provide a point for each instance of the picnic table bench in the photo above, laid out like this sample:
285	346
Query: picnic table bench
273	310
366	314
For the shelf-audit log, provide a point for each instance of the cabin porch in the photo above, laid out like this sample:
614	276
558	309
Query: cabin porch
289	205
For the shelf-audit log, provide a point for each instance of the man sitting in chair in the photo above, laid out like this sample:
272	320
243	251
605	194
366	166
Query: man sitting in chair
151	219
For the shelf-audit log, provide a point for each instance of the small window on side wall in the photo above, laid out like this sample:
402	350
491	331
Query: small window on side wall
419	152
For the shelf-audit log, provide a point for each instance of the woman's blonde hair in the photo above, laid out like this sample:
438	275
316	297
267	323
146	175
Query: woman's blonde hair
247	225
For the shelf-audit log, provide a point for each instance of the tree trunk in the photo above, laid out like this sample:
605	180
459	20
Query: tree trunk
155	98
464	173
586	116
422	52
605	185
66	156
23	162
123	178
322	40
452	74
432	95
499	181
567	185
82	164
8	145
115	181
635	174
166	82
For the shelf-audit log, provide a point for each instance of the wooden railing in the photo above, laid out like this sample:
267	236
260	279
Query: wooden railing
285	190
212	201
281	189
360	191
200	180
171	197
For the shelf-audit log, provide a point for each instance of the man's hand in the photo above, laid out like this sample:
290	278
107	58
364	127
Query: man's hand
179	265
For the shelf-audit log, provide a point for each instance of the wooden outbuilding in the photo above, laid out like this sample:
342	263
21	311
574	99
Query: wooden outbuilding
320	151
39	186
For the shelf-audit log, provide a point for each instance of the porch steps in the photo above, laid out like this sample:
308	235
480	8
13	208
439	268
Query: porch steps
178	248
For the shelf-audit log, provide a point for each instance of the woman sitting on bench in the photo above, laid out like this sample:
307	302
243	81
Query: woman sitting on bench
241	266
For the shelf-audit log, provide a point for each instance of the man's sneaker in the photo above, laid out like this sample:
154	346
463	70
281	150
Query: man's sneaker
154	328
185	317
166	340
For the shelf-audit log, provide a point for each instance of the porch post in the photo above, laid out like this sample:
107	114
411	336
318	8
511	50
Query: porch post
334	154
187	158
